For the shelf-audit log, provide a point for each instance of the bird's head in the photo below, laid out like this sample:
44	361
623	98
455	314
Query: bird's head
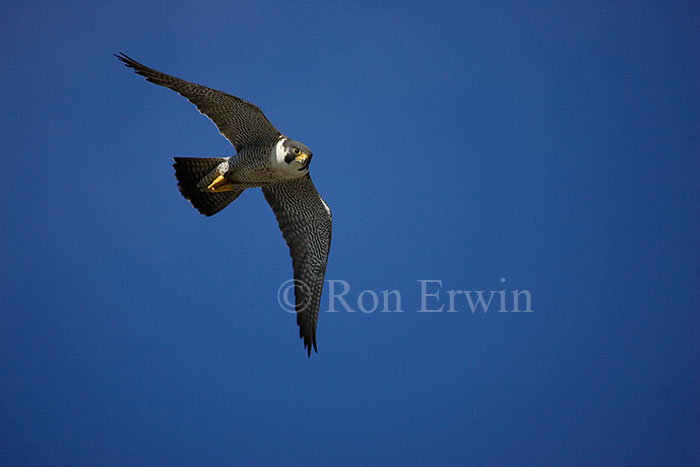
296	154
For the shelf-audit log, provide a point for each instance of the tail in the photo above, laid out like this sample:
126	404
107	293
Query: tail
192	175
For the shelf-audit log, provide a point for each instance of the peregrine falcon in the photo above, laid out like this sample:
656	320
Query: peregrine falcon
267	159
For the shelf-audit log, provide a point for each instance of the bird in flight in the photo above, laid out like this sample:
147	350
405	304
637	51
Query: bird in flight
267	159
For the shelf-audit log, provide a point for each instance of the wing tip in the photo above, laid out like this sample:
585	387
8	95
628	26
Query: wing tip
140	69
309	342
130	62
308	345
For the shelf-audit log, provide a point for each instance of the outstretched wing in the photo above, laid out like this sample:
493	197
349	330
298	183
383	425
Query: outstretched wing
241	122
305	222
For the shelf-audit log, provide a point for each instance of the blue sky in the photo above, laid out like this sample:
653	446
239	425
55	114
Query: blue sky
550	144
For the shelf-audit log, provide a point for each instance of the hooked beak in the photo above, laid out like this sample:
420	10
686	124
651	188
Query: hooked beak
304	159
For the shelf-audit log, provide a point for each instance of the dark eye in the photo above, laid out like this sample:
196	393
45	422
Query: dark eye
296	151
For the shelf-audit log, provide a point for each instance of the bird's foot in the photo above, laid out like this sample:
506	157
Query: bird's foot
219	185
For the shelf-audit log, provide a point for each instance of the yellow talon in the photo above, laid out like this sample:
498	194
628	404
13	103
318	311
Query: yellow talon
220	184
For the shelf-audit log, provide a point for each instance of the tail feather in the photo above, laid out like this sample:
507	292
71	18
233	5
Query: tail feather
191	174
